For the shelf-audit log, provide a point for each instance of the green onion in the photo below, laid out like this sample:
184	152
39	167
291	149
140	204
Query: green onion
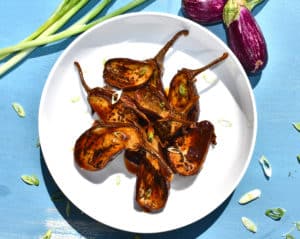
183	90
298	158
118	180
45	34
250	196
297	224
266	166
30	180
249	224
19	109
289	236
297	126
47	235
275	213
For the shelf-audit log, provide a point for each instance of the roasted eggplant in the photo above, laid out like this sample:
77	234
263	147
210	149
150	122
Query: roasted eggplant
102	143
124	73
188	151
157	130
152	188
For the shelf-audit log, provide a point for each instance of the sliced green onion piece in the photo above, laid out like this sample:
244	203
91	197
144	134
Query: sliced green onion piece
289	236
297	126
118	180
19	109
30	180
250	196
298	158
266	166
47	235
225	123
249	224
275	213
75	99
297	224
183	90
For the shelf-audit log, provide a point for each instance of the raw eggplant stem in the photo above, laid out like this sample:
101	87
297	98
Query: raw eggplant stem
193	73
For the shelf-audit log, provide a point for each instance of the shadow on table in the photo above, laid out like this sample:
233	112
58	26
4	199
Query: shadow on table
89	228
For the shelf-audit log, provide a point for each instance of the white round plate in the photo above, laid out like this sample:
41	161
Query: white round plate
226	99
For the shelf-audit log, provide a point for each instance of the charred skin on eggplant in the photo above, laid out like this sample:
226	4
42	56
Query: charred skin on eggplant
152	188
125	73
157	130
101	143
189	150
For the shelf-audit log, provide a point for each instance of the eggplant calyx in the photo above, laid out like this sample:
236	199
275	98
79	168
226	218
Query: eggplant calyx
250	4
232	8
231	11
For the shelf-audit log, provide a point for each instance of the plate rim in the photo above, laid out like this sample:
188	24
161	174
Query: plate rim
180	18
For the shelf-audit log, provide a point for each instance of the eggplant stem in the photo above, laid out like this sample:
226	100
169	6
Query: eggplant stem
193	73
161	54
82	80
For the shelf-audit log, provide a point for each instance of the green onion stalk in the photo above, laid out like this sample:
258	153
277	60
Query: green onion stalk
47	32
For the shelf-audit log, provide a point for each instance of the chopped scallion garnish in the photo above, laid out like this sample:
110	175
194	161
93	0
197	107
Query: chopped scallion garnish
19	109
297	126
47	235
30	180
275	213
266	166
289	236
249	224
250	196
297	224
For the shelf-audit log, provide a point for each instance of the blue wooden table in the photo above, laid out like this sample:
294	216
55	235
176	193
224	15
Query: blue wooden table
27	212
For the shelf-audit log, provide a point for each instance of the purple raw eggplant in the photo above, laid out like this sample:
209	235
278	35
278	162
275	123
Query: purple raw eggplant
203	11
245	37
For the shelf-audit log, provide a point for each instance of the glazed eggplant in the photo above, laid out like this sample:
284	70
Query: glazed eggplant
103	142
182	90
157	130
244	35
150	101
124	73
152	188
188	151
110	105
